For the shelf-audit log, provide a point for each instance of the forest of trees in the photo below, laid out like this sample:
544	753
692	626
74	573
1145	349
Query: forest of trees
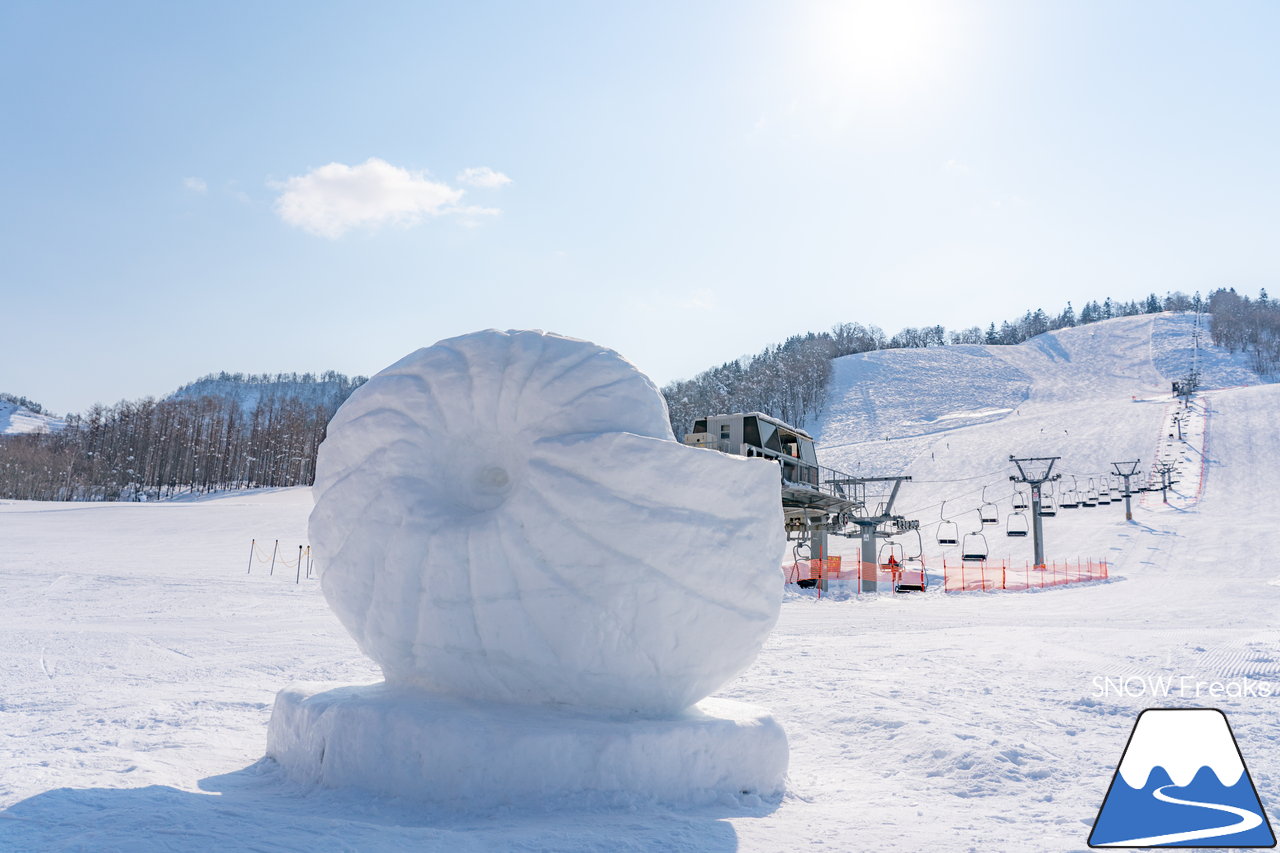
29	405
1247	325
155	449
790	381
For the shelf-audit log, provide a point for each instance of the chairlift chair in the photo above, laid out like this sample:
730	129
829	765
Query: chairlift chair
988	512
1103	493
975	547
1048	505
911	585
1070	499
1019	499
948	531
1016	525
890	551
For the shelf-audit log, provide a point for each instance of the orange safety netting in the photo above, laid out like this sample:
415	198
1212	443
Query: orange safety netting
909	574
994	576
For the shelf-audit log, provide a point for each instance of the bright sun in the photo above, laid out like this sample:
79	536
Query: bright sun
884	48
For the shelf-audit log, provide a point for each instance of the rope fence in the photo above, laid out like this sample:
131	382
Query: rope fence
912	576
998	576
300	562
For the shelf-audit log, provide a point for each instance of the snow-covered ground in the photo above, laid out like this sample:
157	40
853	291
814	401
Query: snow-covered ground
139	659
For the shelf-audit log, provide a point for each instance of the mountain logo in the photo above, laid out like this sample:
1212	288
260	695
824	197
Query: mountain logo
1182	782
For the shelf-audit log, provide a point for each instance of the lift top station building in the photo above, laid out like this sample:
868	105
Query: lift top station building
816	501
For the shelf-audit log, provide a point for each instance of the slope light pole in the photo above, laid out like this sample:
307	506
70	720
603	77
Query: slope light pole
1035	471
1128	470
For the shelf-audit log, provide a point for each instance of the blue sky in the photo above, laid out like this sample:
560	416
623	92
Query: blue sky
263	187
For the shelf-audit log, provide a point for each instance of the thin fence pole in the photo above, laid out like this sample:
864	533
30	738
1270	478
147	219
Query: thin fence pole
297	580
274	551
252	543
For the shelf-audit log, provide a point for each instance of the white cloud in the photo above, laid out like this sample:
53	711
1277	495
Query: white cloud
196	185
482	176
333	199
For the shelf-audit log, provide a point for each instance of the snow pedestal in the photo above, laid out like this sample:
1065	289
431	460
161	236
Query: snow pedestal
411	743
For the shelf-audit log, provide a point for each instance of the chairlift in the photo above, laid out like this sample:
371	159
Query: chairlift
913	583
1048	505
891	554
1016	525
1019	499
975	547
948	531
988	512
1070	497
1103	494
1090	497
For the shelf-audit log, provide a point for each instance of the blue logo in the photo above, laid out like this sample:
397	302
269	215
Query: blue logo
1182	782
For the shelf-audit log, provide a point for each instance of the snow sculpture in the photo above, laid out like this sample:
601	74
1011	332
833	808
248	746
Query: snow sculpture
507	516
504	521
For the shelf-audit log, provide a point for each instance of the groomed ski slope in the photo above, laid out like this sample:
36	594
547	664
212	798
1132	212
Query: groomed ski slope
139	660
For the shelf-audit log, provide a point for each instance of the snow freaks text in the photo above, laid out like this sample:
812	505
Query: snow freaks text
1183	686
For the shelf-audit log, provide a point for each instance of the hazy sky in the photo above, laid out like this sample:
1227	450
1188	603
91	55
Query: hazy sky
272	186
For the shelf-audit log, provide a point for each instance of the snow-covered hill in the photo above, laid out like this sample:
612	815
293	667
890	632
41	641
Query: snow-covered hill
140	659
951	417
16	419
911	397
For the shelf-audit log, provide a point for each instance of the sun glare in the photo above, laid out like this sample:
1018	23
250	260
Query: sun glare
880	48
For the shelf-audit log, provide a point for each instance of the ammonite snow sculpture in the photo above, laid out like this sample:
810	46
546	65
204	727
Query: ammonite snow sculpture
506	516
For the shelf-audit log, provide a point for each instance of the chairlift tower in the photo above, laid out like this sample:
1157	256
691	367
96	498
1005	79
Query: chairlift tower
1126	470
1186	387
869	525
1165	470
1035	471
